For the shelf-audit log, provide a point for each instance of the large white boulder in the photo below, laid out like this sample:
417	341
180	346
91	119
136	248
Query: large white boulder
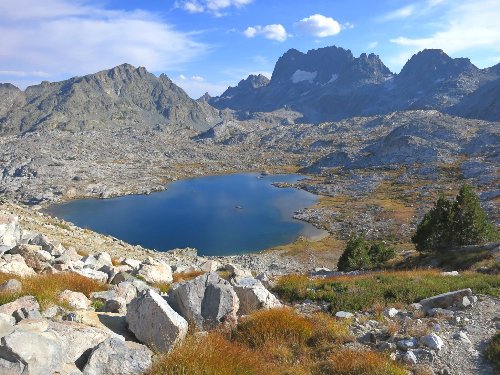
10	232
77	339
76	300
155	273
93	274
115	356
254	296
154	322
18	267
24	352
207	301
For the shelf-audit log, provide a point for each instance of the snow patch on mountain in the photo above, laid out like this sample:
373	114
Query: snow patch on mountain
302	75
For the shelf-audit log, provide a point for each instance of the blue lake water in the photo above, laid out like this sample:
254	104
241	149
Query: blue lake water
218	215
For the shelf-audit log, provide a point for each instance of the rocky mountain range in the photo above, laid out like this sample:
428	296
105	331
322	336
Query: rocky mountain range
329	84
325	84
123	96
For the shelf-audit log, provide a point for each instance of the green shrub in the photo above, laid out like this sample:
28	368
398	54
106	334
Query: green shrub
458	223
380	253
359	255
355	255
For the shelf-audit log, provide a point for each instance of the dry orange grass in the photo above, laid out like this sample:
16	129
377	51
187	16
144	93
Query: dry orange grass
275	325
358	362
212	354
186	276
288	339
46	288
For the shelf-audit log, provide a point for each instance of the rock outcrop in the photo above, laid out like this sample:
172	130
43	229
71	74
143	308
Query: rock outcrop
154	322
206	301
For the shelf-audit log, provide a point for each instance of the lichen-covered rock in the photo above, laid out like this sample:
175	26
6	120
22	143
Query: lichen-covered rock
154	322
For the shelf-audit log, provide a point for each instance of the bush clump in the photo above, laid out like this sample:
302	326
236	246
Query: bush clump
359	254
493	350
458	223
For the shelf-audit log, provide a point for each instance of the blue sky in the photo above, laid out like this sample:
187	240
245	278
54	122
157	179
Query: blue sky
207	45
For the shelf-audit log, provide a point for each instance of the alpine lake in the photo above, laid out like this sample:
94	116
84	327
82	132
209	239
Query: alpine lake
218	215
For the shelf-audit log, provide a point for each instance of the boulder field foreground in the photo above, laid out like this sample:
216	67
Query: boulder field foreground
102	314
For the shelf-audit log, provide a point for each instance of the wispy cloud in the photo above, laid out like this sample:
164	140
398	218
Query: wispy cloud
319	26
412	10
272	32
463	26
470	24
216	7
196	85
63	37
400	13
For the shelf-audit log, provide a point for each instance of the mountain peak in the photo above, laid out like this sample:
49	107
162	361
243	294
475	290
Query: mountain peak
434	64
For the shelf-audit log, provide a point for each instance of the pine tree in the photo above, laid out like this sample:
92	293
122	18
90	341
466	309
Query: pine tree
355	255
380	253
470	224
434	231
459	223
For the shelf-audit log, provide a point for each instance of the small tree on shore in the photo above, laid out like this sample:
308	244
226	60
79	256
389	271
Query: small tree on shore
458	223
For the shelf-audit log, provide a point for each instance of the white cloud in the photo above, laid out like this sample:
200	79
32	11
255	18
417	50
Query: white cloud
64	37
212	6
463	27
319	26
271	32
372	45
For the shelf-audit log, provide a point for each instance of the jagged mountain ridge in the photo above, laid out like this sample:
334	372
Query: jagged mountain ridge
330	84
122	96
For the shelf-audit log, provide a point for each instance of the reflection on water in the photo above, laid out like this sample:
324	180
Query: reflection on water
218	215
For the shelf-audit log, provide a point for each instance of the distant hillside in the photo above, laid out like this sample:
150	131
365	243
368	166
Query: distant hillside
122	96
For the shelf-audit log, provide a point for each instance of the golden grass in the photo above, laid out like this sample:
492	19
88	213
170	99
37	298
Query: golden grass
212	354
283	324
46	288
186	276
303	244
162	287
116	261
274	342
286	338
359	362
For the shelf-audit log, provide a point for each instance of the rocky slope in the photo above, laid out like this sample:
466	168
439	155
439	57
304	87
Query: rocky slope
121	97
330	84
135	310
